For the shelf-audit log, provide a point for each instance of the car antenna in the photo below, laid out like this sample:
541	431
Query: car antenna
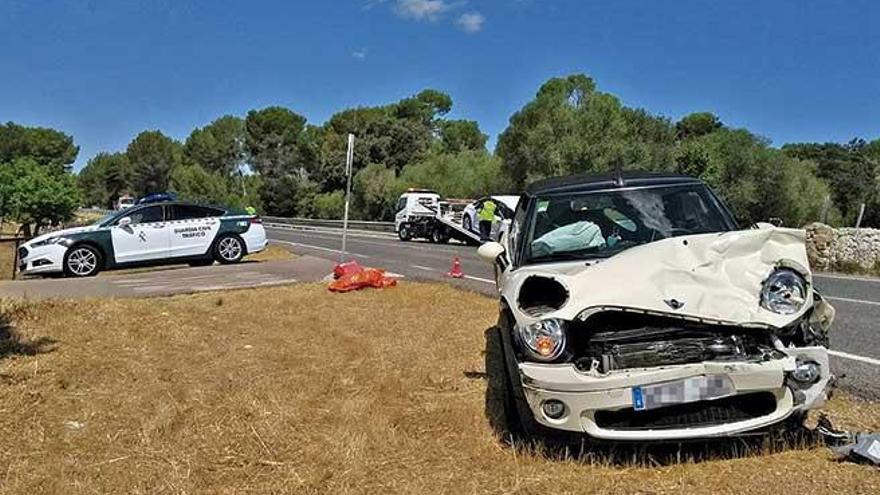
618	172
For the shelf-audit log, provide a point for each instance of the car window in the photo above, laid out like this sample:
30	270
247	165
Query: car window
515	226
186	212
145	215
401	204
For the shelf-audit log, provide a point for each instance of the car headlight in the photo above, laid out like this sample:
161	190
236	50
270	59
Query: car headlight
544	339
784	292
53	240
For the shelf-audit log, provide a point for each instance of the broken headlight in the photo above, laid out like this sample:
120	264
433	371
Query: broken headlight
784	292
544	340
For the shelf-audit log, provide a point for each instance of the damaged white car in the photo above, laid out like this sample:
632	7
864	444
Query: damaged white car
632	308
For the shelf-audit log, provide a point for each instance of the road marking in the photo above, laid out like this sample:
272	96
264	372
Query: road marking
319	248
478	279
426	268
857	301
847	277
863	359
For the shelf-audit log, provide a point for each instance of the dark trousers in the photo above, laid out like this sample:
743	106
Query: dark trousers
485	230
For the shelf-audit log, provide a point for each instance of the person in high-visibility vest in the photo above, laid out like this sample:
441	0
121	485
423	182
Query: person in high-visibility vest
486	216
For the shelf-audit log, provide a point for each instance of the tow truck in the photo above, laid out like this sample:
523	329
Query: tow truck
422	214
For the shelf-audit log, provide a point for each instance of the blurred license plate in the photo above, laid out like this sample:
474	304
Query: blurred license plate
681	392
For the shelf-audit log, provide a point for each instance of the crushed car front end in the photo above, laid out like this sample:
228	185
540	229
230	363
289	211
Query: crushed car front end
679	339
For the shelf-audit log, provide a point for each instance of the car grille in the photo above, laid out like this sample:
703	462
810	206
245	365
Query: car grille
696	414
22	253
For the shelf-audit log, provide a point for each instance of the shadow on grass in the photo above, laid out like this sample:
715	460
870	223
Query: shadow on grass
13	344
501	412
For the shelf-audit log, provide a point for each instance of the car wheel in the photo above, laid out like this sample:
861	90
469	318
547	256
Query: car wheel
404	233
229	249
466	223
439	237
82	261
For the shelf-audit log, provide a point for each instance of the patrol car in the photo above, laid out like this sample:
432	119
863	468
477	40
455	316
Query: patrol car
146	234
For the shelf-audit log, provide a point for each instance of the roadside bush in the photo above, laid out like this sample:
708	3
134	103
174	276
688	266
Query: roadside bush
330	205
467	174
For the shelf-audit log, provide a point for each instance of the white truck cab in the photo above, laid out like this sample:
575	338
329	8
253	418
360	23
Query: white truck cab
415	213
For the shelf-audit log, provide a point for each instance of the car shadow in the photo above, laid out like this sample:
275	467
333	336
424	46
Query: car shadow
623	454
14	344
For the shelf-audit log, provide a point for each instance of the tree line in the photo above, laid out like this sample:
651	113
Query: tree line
274	160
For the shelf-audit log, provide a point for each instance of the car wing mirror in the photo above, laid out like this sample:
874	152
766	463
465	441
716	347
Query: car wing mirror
490	252
123	222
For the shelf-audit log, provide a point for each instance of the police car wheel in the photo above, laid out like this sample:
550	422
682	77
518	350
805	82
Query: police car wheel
229	249
82	261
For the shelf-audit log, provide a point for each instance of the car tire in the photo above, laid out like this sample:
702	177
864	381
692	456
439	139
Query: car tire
229	249
521	423
466	223
404	233
82	261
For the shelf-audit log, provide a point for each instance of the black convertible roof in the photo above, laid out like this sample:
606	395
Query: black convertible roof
594	182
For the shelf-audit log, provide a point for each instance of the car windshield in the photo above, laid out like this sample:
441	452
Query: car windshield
600	224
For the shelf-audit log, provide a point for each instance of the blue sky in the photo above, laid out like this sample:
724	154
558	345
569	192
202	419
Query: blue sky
103	70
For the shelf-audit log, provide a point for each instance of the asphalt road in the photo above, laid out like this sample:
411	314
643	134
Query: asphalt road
855	340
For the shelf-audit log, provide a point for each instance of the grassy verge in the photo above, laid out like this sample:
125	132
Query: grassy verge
7	258
297	390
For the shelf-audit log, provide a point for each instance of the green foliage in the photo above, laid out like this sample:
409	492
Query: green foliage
44	146
757	182
193	183
217	147
570	127
104	179
330	205
374	191
153	156
468	174
460	135
698	124
851	171
36	195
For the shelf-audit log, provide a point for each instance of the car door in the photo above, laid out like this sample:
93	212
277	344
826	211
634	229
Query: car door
144	236
192	229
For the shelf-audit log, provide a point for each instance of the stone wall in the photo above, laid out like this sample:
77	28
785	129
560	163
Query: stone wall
843	249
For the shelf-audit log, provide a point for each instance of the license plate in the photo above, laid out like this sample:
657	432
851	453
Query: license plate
681	392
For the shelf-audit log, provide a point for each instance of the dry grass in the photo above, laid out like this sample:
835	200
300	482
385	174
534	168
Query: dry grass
272	252
297	390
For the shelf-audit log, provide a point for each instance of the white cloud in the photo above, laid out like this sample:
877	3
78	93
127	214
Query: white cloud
359	54
470	22
421	10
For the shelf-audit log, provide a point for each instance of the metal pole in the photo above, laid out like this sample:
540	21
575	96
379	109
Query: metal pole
349	158
861	214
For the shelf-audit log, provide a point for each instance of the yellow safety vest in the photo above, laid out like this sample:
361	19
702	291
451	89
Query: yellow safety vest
487	212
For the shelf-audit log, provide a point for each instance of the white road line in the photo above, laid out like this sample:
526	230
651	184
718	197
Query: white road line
426	268
857	301
847	277
478	279
319	248
862	359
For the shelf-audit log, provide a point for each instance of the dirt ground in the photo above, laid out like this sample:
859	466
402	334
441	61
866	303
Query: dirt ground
297	390
7	253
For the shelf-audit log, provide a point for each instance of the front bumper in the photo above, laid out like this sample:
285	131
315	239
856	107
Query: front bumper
42	260
585	395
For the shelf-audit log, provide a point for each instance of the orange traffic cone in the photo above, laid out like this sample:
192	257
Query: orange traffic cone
456	271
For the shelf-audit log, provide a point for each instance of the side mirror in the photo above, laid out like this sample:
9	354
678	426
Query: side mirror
490	251
123	222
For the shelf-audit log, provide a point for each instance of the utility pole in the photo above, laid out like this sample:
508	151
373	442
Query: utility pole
349	158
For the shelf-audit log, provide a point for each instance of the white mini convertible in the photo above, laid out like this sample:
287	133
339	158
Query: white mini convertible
634	309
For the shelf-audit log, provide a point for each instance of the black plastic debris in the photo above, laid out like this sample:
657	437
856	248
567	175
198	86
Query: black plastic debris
858	447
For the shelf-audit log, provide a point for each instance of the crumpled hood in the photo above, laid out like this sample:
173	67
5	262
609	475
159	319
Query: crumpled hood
63	232
715	276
